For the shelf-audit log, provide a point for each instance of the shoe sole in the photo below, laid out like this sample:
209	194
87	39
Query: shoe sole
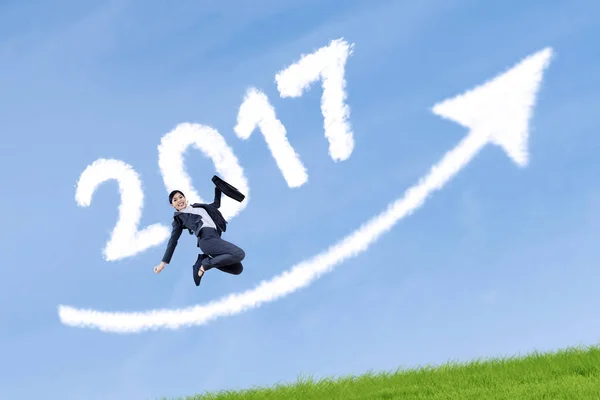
196	268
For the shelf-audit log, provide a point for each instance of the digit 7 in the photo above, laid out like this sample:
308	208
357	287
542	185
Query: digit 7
327	64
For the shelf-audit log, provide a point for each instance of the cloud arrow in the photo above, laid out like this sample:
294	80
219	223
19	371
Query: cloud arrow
501	108
496	112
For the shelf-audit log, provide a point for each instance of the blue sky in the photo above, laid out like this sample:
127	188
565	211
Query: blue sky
501	261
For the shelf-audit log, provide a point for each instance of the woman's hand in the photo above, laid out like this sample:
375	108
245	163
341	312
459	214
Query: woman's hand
159	267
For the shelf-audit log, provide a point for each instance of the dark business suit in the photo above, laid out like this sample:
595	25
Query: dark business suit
223	255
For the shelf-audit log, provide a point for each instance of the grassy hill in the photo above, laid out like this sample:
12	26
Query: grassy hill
573	373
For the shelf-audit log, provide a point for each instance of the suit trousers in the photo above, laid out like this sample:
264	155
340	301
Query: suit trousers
223	255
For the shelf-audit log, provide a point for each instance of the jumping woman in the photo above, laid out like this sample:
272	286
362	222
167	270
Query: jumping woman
206	222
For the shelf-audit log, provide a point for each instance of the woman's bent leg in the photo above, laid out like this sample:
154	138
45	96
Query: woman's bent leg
234	269
222	253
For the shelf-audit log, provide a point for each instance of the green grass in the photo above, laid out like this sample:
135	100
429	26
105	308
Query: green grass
573	373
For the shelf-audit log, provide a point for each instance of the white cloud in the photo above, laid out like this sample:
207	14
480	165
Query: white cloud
497	112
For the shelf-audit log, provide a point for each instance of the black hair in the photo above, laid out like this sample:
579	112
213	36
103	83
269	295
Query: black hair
173	193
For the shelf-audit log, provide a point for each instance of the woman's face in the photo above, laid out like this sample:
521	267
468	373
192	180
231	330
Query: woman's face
179	202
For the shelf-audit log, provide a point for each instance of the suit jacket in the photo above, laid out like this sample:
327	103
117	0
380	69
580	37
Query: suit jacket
193	223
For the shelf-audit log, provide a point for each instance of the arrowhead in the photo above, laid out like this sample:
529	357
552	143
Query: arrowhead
501	108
